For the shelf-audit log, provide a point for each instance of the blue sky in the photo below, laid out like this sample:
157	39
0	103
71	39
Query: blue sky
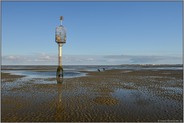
97	32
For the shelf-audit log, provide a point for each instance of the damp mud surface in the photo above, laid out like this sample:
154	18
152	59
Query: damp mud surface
106	96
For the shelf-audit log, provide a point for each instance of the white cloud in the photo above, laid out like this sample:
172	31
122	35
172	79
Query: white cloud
29	59
48	59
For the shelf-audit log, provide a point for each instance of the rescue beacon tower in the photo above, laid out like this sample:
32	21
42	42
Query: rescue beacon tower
60	38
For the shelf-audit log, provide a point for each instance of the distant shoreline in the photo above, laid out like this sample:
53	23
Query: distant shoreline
106	65
45	67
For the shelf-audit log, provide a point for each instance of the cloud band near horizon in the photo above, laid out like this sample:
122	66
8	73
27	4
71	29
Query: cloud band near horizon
44	59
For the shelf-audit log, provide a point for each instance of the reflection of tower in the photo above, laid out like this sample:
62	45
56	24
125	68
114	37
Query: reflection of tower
60	38
59	105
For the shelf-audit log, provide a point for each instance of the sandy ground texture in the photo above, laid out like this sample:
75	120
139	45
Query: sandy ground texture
111	95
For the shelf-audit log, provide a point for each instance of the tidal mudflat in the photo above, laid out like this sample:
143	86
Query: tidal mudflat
110	95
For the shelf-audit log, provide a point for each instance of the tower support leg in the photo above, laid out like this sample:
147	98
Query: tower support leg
59	75
59	72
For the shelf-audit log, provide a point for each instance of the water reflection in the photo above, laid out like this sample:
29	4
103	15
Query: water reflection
59	103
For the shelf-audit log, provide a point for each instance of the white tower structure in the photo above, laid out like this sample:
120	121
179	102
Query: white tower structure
60	38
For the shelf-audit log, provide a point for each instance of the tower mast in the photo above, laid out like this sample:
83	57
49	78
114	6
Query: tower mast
60	38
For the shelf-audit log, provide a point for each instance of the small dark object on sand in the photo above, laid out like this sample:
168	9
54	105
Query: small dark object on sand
98	70
103	69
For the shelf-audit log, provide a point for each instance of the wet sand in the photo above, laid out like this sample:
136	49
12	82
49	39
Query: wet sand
9	78
111	95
